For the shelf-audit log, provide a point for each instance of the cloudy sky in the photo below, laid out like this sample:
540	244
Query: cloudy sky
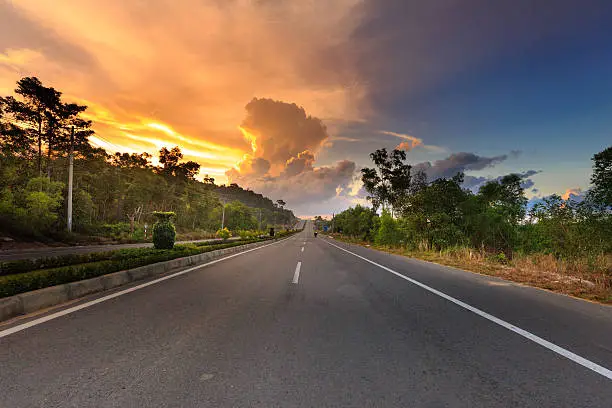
289	97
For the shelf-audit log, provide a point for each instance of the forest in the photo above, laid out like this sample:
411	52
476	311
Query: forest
442	221
114	195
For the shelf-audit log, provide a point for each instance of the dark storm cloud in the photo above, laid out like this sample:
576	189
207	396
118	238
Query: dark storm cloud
457	162
474	183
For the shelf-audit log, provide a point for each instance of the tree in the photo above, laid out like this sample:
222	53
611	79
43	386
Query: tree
61	121
507	196
14	141
418	182
496	212
239	217
387	184
42	201
37	105
601	191
109	190
356	221
388	232
172	168
435	214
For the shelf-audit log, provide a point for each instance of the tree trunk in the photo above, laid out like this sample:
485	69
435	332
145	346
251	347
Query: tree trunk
49	158
132	217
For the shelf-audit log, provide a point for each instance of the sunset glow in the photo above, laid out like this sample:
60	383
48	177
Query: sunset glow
162	74
251	138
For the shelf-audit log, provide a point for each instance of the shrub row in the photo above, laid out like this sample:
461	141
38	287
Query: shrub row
29	265
24	282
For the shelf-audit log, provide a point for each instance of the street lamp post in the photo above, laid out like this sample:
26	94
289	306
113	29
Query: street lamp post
70	174
223	217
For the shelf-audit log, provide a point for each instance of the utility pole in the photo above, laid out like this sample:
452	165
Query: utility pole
259	228
70	170
332	226
223	216
39	145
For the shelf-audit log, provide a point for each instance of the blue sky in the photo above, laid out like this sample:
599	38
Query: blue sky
545	91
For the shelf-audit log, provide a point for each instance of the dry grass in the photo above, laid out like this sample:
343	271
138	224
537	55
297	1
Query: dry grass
587	279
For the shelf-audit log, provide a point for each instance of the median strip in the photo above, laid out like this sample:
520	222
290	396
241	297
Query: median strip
32	301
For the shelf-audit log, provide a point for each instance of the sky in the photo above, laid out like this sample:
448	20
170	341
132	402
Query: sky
288	98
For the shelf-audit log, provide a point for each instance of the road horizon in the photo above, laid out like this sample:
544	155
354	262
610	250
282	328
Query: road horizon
311	321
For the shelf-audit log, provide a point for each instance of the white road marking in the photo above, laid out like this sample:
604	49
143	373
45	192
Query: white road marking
64	312
530	336
296	275
302	249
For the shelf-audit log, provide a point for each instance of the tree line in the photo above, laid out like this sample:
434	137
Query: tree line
419	214
113	193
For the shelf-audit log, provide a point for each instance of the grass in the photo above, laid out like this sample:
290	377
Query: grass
589	279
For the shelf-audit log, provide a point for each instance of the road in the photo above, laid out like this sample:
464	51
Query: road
47	252
282	326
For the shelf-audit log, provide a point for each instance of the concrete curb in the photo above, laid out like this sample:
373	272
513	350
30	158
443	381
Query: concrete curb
29	302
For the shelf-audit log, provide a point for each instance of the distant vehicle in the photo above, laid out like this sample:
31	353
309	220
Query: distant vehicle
325	228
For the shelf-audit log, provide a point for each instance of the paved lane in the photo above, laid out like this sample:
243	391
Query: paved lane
241	333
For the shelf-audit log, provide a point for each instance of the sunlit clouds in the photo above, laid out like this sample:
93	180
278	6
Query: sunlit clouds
289	97
158	73
572	193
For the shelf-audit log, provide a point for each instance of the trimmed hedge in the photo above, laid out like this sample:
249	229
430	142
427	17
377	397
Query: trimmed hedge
120	260
164	233
29	265
98	264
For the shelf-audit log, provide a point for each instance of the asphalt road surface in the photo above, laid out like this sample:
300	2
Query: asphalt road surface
304	323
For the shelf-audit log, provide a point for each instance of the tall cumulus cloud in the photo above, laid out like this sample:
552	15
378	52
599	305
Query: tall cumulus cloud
284	140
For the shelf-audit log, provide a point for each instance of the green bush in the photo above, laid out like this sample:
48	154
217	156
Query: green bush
388	232
499	258
28	265
114	230
164	233
249	234
223	233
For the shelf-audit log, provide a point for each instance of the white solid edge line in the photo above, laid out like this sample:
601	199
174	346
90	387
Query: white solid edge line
302	249
530	336
296	275
64	312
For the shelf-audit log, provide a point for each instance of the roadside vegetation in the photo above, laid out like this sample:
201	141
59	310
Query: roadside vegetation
557	244
27	275
115	195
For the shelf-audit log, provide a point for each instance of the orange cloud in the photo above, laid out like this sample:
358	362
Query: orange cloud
410	142
575	192
181	72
